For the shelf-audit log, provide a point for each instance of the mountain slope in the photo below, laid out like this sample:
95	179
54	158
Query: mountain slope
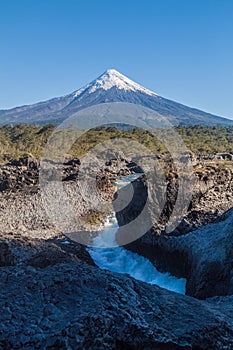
111	86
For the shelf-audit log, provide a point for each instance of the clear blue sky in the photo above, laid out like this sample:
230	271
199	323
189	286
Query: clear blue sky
181	49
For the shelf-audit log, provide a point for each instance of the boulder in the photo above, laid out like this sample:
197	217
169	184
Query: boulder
51	256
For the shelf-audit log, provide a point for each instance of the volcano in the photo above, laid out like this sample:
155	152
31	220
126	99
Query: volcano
111	86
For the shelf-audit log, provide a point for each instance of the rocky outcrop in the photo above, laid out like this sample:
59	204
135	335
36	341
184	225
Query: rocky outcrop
212	195
21	200
210	254
204	257
22	208
76	306
18	250
52	298
218	156
52	254
23	174
19	174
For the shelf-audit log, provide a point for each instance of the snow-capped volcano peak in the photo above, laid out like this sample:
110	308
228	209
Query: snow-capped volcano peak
111	86
113	79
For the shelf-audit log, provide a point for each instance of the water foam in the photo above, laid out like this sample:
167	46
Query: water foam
120	260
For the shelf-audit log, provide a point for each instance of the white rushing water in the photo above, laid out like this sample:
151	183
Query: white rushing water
118	259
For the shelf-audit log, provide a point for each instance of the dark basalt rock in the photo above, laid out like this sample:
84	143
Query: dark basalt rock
58	251
40	253
59	301
212	196
28	161
21	174
204	256
135	206
7	258
77	306
51	256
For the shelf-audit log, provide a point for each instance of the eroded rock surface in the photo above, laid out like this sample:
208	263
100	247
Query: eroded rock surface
203	256
76	306
22	208
52	298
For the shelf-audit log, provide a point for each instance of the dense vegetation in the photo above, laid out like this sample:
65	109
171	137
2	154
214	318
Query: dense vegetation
206	140
19	140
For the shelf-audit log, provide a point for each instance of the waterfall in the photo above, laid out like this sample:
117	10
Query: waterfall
121	260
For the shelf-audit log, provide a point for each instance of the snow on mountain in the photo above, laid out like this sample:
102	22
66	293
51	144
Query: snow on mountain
112	78
111	86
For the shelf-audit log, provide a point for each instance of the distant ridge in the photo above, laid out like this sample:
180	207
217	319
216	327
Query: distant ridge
111	86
